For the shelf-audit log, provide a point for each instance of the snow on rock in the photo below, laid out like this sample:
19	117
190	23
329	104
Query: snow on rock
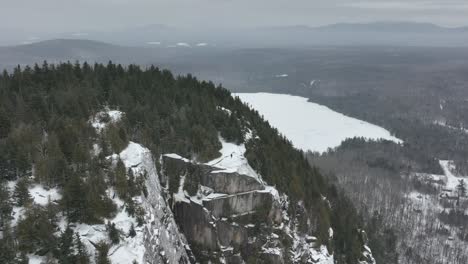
451	180
41	196
181	196
176	156
101	119
227	111
35	259
232	159
161	239
308	125
18	212
134	154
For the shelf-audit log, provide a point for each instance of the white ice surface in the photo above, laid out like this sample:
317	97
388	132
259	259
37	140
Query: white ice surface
308	125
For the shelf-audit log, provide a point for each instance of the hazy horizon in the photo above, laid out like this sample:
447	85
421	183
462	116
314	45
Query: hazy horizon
57	16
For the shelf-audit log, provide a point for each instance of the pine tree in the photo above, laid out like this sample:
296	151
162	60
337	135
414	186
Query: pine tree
99	204
117	137
81	254
5	123
461	187
132	184
74	200
51	166
132	232
65	247
22	259
113	233
21	193
102	250
7	245
5	204
36	232
121	183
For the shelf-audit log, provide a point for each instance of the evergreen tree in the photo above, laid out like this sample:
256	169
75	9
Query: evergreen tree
74	201
5	123
65	247
22	259
7	245
113	233
21	193
5	204
132	185
121	183
117	137
35	233
51	166
461	187
132	232
102	250
81	254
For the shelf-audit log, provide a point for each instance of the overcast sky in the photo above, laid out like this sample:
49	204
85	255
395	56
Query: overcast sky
85	15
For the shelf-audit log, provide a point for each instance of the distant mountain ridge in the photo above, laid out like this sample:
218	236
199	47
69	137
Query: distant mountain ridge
340	34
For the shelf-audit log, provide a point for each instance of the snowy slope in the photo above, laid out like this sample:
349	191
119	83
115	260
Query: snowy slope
308	125
161	240
232	159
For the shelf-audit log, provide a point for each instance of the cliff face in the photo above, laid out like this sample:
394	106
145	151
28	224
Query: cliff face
228	214
162	240
219	212
223	221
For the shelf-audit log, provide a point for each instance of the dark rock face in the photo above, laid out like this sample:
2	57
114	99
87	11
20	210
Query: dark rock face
196	224
233	223
238	204
230	183
231	235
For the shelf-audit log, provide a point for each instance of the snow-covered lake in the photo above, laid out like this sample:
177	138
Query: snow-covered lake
308	125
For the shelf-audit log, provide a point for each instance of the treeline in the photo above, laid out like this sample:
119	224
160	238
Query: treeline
413	119
45	131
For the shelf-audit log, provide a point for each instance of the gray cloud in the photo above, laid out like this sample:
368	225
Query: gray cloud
85	15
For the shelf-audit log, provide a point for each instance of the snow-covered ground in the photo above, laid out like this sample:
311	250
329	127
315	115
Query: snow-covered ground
443	124
41	196
452	180
232	159
308	125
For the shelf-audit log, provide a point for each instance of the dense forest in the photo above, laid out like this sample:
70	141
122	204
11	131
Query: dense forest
413	215
46	138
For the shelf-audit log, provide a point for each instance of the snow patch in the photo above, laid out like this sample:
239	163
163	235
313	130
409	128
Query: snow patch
451	180
133	155
99	121
281	75
232	160
176	156
41	196
183	44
